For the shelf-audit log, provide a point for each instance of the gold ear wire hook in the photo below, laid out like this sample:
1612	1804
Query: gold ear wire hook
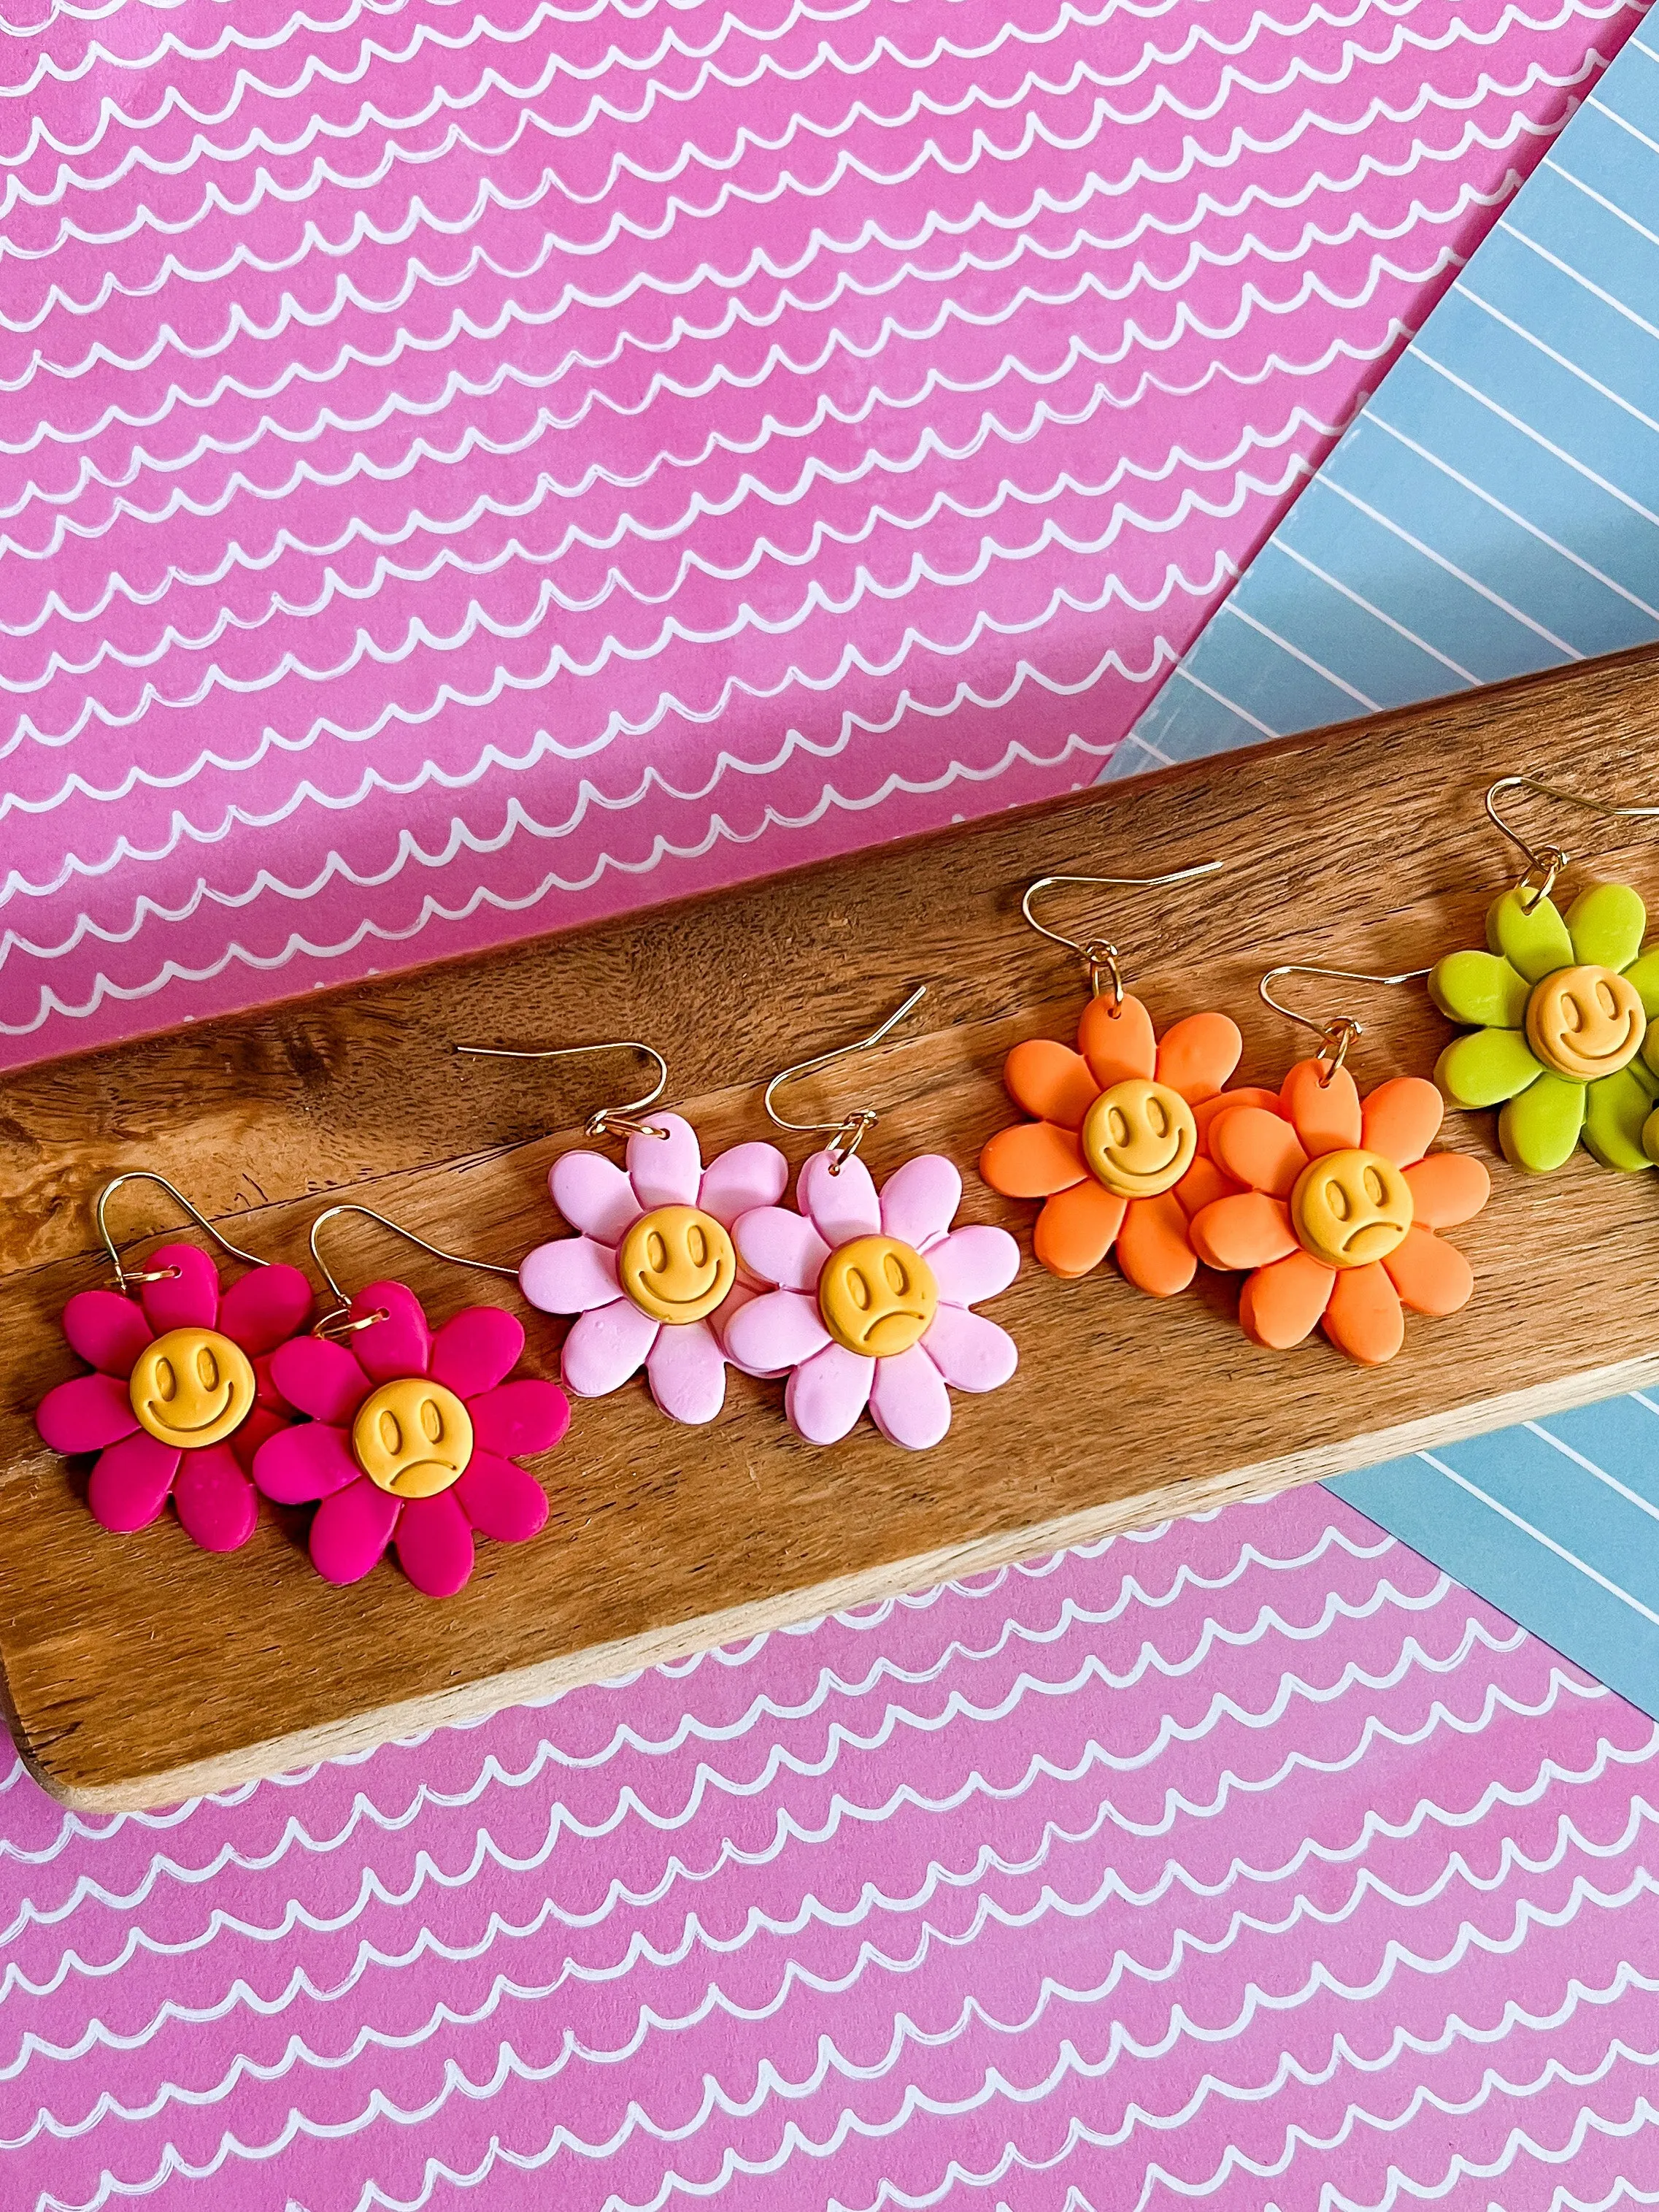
1338	1036
853	1128
1098	954
126	1275
331	1325
1548	862
607	1118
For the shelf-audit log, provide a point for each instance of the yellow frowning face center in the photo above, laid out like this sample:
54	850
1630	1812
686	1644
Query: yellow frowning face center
676	1263
877	1295
1584	1023
412	1438
1140	1138
191	1386
1350	1208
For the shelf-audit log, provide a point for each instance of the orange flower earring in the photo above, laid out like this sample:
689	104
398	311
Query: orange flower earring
1116	1144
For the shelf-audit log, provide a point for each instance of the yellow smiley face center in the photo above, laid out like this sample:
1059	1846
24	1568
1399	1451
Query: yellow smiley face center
1584	1023
412	1438
676	1263
191	1386
877	1295
1350	1208
1140	1138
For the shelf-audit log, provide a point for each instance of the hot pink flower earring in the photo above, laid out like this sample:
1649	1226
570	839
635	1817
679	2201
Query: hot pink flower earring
871	1291
414	1435
181	1396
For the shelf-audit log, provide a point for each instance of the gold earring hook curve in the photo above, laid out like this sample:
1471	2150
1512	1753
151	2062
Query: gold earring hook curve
1338	1036
850	1132
1099	955
331	1324
1548	861
126	1275
607	1119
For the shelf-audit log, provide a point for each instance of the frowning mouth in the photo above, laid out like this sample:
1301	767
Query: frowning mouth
400	1481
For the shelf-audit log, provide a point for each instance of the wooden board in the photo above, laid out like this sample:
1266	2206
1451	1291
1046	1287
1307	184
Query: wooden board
136	1669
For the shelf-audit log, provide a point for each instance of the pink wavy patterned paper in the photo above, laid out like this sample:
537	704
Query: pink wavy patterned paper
1250	1863
462	472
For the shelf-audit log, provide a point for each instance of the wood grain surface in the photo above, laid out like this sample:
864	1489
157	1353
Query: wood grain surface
136	1669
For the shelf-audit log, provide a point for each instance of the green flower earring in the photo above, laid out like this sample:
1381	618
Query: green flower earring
1557	1013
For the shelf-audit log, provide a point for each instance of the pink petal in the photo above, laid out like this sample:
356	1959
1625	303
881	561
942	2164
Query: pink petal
528	1416
501	1499
311	1460
351	1529
476	1349
919	1200
779	1247
666	1172
263	1307
826	1395
974	1263
434	1544
605	1347
187	1297
742	1178
595	1197
776	1331
909	1402
399	1345
969	1352
86	1414
261	1425
572	1274
319	1378
106	1330
214	1500
687	1372
129	1483
841	1205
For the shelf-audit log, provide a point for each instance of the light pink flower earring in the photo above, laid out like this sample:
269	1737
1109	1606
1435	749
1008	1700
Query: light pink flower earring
872	1289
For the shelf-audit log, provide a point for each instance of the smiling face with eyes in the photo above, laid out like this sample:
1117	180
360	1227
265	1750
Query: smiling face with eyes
191	1386
1585	1022
676	1263
1140	1138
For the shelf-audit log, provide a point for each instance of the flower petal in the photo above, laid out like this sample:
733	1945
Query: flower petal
686	1370
666	1171
1208	1111
826	1394
311	1460
594	1195
1076	1229
919	1200
1480	988
401	1344
1530	933
131	1482
1033	1159
476	1349
263	1308
841	1205
106	1330
1324	1109
1431	1276
1153	1248
908	1400
1282	1304
260	1424
1117	1042
605	1346
1446	1188
1247	1230
776	1332
86	1414
969	1352
741	1178
319	1378
1539	1129
1196	1056
1616	1108
1401	1119
349	1530
504	1501
433	1539
1201	1185
1050	1081
1642	976
188	1295
974	1263
779	1247
1364	1318
1606	923
571	1274
217	1504
528	1416
1258	1149
1486	1067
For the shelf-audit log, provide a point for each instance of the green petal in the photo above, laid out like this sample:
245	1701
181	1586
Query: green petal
1643	979
1614	1113
1532	938
1606	924
1486	1067
1480	988
1650	1136
1539	1129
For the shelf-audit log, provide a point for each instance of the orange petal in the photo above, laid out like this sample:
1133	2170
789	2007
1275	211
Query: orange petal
1031	1160
1401	1119
1120	1044
1280	1304
1201	1185
1050	1081
1257	1149
1364	1318
1248	1229
1154	1248
1074	1231
1326	1114
1431	1276
1205	1111
1197	1055
1448	1188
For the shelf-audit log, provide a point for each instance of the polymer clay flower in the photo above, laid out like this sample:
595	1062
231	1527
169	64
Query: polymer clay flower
1562	1004
1340	1213
182	1396
412	1439
1116	1144
873	1300
654	1276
